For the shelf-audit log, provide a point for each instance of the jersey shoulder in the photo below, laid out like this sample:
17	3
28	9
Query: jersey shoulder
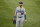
23	8
17	7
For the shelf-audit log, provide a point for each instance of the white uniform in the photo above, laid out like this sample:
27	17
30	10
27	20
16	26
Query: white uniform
20	16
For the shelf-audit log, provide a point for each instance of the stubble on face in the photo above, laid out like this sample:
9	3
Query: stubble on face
20	5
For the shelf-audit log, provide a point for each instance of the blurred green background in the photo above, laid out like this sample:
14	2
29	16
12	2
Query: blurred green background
7	11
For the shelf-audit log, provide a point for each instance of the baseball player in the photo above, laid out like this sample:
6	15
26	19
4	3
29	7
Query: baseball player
20	13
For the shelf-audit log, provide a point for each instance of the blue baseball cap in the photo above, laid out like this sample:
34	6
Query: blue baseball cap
20	2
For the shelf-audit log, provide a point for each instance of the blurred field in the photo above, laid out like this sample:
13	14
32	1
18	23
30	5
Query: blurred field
7	10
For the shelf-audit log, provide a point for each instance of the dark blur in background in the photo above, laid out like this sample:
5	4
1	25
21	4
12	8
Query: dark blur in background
7	11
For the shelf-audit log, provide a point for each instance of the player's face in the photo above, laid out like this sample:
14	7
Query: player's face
20	5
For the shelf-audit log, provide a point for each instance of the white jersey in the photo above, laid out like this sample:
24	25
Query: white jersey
20	12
